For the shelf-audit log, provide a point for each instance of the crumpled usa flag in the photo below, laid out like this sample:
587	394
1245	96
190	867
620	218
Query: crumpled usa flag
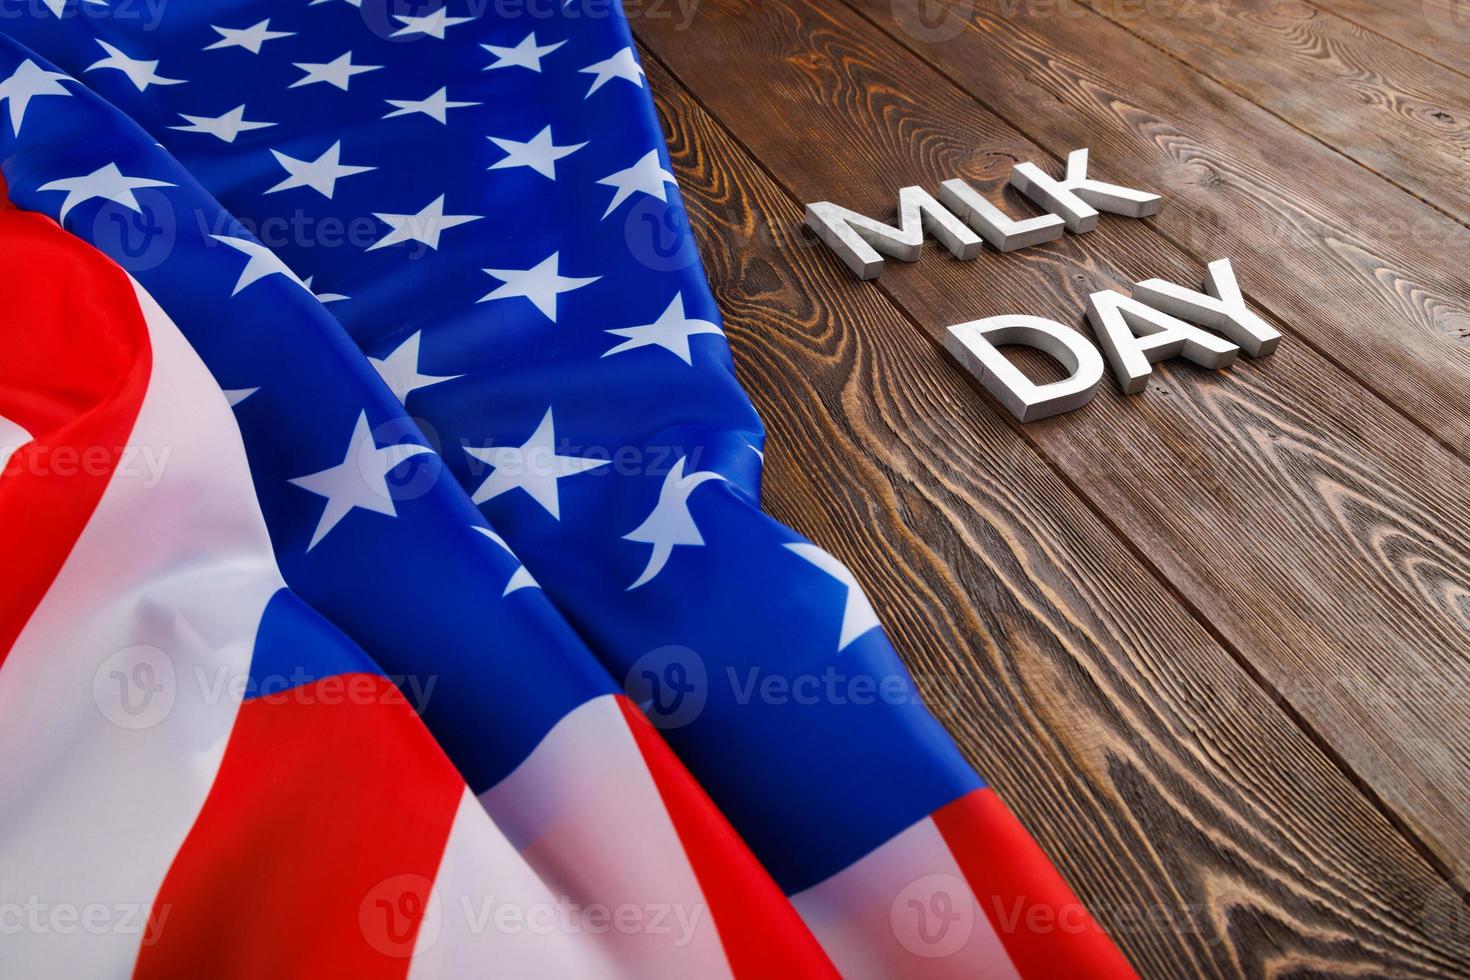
387	588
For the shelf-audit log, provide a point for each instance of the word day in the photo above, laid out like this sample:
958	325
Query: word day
1160	320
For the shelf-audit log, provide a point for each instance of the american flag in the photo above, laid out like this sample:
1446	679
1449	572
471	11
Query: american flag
387	588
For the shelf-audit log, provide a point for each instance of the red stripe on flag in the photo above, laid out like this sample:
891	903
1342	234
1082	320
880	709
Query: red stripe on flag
760	930
315	852
1046	930
76	365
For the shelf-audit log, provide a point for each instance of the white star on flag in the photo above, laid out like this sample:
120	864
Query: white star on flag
436	106
141	73
237	395
360	480
249	38
104	182
541	284
671	331
671	524
857	613
647	176
400	369
28	81
321	174
533	466
263	262
621	65
540	154
521	579
323	298
337	72
432	25
526	54
225	127
425	226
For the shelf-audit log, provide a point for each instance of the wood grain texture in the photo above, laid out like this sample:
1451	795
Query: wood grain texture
1319	533
1394	111
1182	803
1371	276
1437	29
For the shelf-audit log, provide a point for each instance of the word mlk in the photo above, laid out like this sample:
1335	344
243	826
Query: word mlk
1161	320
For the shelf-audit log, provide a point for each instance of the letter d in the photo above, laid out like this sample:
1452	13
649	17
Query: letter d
975	345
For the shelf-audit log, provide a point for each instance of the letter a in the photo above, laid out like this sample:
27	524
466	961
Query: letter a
1133	336
1223	309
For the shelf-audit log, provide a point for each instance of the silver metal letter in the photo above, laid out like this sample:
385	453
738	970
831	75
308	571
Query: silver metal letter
1223	309
859	239
994	225
1133	336
974	345
1077	197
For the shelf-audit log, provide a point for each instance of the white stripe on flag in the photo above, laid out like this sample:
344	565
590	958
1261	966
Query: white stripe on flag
584	810
116	699
905	910
490	911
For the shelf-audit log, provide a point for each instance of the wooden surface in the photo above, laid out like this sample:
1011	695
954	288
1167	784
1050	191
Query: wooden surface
1212	642
1389	108
1437	28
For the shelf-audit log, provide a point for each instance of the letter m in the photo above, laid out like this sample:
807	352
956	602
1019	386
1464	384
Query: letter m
859	240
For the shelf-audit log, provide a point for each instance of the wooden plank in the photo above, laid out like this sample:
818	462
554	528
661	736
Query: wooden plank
1177	798
1437	29
1320	534
1393	111
1368	274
